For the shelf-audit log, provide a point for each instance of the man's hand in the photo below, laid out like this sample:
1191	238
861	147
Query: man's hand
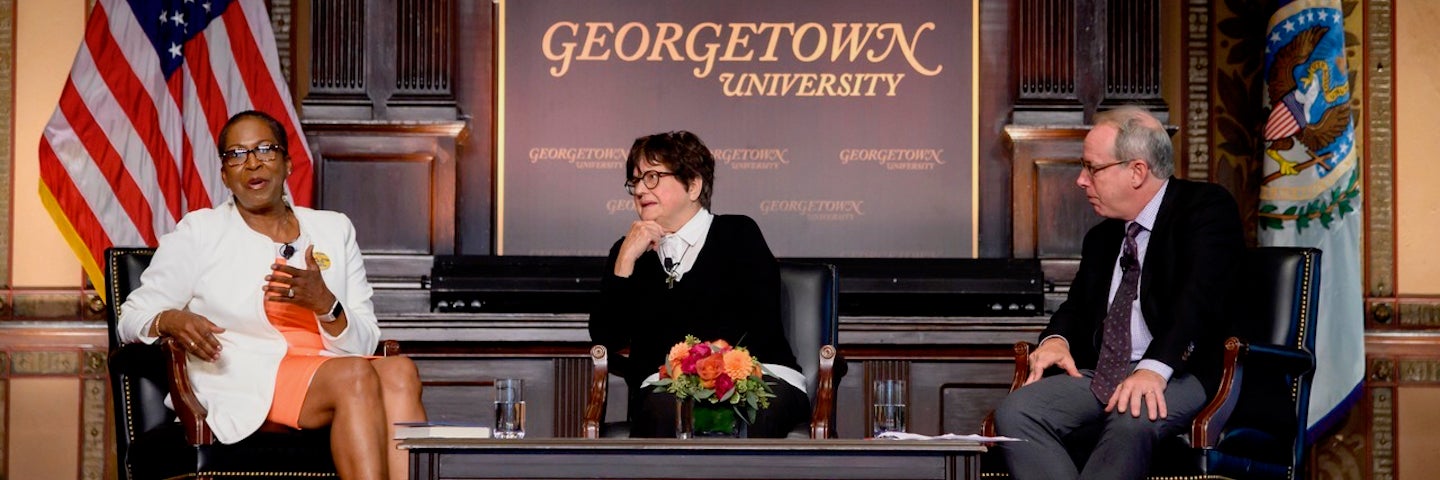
1142	385
1051	352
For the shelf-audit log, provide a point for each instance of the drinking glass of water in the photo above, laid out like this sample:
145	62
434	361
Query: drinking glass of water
888	413
509	408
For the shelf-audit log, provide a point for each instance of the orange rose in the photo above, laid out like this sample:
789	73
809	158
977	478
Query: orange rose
738	364
721	345
664	372
709	368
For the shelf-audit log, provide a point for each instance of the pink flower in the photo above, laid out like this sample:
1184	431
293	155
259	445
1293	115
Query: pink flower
723	384
697	353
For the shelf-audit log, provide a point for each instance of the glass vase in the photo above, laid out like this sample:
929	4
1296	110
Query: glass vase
706	420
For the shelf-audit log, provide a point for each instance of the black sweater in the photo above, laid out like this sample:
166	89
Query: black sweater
732	293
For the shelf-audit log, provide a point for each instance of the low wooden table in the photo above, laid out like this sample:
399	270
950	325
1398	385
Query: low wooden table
566	458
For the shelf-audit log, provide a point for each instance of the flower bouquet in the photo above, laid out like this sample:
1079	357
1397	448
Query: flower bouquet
714	374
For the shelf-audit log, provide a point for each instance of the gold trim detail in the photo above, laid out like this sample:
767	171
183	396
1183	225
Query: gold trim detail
1419	314
92	429
281	17
95	364
4	417
1382	431
1382	370
7	130
1379	161
1197	89
1419	371
44	363
1341	455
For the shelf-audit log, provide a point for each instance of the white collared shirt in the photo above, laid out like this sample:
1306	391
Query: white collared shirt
1140	336
683	246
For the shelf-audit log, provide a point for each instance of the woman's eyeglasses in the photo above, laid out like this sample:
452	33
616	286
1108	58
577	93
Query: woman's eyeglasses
238	156
650	178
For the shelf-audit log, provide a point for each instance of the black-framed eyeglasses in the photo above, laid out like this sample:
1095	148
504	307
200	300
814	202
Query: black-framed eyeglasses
1093	169
238	156
651	179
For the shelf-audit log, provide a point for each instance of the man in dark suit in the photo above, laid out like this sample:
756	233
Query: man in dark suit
1139	335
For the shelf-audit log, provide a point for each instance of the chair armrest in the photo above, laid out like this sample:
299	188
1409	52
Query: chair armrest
1205	428
390	348
1022	372
182	396
1289	360
599	388
820	417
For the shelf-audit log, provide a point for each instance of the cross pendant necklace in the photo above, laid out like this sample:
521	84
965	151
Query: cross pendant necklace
672	266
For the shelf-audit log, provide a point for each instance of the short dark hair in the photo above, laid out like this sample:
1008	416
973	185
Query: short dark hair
280	137
680	151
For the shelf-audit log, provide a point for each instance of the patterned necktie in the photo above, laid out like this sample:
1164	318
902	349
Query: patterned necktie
1114	363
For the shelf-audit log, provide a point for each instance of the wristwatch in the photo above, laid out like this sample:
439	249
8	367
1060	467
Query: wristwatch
333	314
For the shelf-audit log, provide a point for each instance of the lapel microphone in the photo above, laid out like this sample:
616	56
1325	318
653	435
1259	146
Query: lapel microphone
669	265
287	251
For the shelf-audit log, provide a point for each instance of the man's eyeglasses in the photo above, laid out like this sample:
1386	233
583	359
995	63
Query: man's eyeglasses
651	179
238	156
1093	169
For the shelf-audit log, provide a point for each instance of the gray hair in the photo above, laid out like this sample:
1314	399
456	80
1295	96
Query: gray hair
1140	136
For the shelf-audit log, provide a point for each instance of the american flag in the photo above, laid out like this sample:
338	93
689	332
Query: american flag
131	146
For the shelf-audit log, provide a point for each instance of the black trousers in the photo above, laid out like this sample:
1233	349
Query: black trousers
652	414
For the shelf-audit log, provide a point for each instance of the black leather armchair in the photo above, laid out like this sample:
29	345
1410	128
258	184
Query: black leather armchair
1254	428
154	441
808	310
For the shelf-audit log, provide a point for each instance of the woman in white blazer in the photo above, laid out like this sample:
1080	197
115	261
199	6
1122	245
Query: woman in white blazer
271	302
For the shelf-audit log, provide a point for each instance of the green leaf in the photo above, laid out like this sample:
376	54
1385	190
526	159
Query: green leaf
1291	210
1269	208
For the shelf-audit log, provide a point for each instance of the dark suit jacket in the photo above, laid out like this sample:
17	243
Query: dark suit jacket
1184	280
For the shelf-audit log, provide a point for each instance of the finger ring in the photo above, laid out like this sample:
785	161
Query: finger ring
192	344
289	293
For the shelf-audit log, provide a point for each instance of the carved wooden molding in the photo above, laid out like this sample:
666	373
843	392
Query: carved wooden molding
53	305
7	129
1195	82
1402	313
1382	433
66	353
282	17
1379	139
452	129
92	428
572	375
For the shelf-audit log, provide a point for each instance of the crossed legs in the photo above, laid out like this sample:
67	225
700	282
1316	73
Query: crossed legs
1046	414
361	399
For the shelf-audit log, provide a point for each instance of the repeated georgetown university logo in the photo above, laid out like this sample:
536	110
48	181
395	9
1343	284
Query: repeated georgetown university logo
1310	162
752	158
583	158
620	205
816	210
920	159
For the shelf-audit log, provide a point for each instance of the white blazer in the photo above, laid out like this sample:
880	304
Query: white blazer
214	265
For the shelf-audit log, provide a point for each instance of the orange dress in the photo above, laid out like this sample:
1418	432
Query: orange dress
301	361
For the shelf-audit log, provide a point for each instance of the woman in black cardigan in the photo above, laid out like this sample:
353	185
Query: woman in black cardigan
681	270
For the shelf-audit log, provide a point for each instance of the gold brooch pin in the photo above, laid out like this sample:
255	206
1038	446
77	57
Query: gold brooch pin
322	260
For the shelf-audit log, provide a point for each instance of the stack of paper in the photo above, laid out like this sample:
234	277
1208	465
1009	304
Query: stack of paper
406	430
948	436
